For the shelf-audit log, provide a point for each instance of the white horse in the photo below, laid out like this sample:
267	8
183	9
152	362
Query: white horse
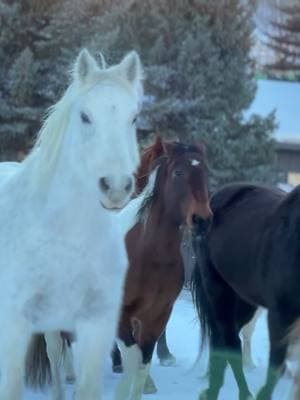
49	359
63	257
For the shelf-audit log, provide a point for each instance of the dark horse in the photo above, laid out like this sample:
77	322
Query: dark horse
156	273
249	257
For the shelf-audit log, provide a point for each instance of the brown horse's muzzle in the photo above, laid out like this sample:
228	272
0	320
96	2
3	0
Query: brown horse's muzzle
199	208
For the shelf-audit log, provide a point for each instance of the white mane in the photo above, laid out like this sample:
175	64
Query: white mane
128	217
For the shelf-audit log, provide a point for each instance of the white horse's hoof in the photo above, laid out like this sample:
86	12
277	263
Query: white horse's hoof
168	361
149	387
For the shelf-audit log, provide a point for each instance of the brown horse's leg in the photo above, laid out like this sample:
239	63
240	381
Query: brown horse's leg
278	329
131	357
149	334
166	358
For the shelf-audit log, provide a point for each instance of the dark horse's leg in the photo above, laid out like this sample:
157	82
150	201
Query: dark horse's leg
278	329
166	358
116	359
228	314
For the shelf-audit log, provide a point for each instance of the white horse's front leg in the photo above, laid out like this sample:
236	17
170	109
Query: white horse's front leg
54	344
14	340
92	340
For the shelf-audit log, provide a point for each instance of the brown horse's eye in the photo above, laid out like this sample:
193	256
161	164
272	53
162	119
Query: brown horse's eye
178	173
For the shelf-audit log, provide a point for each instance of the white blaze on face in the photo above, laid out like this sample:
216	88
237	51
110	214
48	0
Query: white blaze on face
195	163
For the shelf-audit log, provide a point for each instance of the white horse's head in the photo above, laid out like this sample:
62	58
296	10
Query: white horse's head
91	130
102	132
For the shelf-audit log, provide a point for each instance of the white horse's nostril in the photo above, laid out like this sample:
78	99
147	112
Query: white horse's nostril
104	185
129	185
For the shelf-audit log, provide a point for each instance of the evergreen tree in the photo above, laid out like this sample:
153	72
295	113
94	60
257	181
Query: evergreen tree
200	79
39	39
284	39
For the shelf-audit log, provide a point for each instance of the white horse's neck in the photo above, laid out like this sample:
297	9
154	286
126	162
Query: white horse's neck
64	196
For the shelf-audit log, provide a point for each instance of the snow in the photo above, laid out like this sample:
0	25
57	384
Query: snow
185	380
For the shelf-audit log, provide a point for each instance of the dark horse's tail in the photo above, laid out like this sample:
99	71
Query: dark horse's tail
198	289
37	367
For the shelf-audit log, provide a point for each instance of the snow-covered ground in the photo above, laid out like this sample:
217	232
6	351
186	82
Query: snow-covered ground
184	381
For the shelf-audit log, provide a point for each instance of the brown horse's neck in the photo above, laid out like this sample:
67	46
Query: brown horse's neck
164	229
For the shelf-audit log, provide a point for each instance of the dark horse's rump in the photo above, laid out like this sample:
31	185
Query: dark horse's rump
250	256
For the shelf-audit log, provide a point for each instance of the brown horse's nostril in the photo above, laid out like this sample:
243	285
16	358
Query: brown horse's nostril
209	220
129	185
104	185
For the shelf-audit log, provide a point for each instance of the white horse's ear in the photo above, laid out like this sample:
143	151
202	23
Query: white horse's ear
85	66
132	69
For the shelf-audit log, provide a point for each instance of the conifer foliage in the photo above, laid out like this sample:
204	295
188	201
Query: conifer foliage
199	76
284	38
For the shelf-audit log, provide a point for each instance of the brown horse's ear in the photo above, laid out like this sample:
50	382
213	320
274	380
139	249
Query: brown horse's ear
158	148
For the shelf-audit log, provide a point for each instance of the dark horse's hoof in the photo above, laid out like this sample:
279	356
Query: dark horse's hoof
117	369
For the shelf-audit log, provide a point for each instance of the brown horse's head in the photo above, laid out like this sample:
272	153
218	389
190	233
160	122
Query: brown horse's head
182	179
186	182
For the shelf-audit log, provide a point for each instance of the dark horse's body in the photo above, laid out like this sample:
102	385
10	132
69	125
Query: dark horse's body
249	257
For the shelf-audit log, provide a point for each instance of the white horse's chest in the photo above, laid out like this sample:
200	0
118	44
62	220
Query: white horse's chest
64	274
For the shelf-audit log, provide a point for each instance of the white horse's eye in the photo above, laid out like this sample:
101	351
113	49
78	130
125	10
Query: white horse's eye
134	120
85	118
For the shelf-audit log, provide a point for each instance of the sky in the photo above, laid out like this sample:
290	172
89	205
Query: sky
284	97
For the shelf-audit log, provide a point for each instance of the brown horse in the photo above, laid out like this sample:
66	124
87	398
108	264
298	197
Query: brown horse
156	273
150	154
